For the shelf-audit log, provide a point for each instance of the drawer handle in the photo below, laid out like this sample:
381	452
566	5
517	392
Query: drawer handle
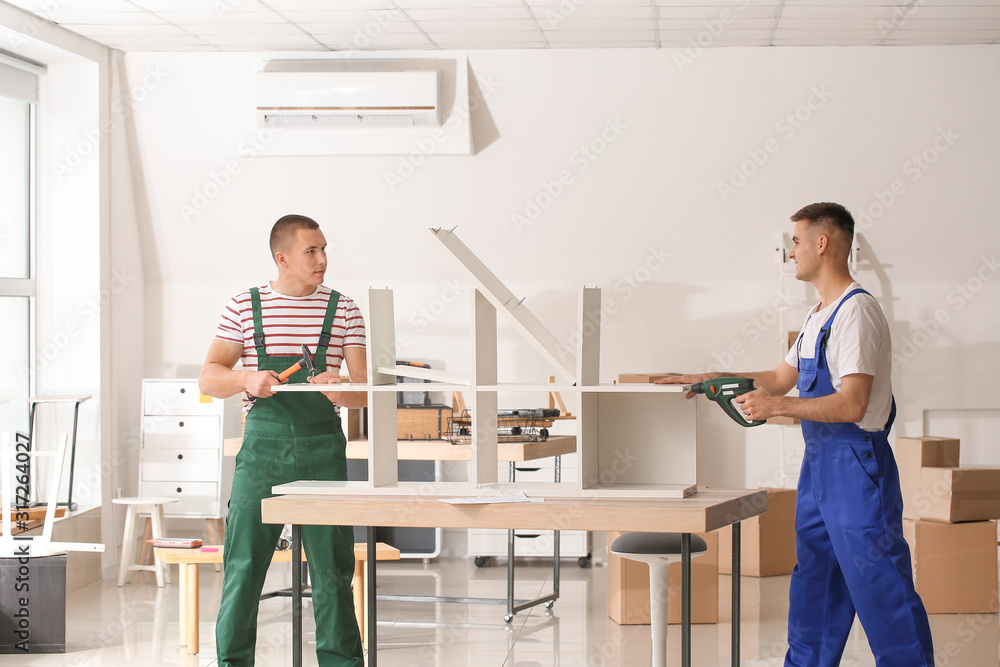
181	424
183	390
526	537
180	456
179	489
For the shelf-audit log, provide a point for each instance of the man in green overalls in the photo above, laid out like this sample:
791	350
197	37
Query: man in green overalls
288	436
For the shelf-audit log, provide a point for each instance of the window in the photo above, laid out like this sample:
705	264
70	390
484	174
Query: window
18	96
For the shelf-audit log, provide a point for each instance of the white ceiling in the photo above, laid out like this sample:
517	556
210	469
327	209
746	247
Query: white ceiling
344	25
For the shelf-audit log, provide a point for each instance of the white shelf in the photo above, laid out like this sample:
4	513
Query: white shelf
425	374
305	386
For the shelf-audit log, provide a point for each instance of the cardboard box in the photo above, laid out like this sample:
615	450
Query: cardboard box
422	422
914	454
959	494
793	337
628	587
767	541
636	378
954	565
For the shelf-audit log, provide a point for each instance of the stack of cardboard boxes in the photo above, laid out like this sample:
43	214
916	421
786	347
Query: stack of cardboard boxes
949	522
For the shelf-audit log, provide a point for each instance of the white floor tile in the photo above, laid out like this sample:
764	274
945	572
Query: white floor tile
137	624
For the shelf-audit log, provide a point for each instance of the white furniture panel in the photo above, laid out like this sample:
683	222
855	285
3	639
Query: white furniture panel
181	448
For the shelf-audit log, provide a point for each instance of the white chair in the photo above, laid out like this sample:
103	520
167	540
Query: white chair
134	507
658	550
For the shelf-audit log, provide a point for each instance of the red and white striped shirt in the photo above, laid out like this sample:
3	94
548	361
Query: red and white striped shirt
289	322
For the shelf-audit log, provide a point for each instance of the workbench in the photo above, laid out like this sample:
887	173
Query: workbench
443	450
704	511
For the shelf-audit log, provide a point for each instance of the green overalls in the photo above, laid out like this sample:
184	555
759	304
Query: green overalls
289	436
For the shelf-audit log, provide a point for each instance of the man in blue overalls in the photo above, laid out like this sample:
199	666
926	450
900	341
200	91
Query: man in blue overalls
848	521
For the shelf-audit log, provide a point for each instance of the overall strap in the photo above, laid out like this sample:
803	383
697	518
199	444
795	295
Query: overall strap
331	312
258	323
825	330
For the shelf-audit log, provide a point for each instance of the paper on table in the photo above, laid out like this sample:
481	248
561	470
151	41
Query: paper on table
495	494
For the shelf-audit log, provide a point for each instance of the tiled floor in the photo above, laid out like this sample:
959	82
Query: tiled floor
137	624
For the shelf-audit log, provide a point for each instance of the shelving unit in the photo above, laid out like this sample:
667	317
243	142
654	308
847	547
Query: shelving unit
633	440
181	449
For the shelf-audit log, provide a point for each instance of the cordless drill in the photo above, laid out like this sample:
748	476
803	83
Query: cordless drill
724	392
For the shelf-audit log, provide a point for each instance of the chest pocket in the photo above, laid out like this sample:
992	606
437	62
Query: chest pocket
807	379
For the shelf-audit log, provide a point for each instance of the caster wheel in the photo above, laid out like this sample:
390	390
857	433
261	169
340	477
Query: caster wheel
515	430
548	605
544	433
482	561
583	561
508	618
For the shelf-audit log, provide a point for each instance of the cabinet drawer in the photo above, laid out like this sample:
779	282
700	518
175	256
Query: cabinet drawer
194	465
181	432
493	542
178	398
195	498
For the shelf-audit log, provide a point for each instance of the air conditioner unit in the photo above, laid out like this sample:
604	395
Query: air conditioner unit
316	99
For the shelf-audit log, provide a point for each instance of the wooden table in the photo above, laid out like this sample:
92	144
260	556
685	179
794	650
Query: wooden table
703	512
507	452
188	561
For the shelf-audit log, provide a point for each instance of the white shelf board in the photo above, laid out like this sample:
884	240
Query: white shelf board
522	319
622	388
305	386
468	490
641	490
425	374
328	488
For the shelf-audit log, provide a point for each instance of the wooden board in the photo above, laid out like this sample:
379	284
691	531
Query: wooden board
174	556
705	511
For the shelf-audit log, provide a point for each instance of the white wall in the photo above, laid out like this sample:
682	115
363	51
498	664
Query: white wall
647	209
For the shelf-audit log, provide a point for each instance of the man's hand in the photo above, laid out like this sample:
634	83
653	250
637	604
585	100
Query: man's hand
328	377
259	383
758	404
694	378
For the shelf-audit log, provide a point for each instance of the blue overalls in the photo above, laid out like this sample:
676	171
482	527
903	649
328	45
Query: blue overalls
849	540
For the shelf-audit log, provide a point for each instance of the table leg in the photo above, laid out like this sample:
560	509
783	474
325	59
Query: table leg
686	599
182	606
358	587
737	585
191	606
296	595
72	457
371	620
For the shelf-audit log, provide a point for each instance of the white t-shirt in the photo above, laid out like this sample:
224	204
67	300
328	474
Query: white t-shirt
290	321
859	343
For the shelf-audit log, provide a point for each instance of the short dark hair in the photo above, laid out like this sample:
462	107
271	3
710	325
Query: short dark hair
829	214
284	229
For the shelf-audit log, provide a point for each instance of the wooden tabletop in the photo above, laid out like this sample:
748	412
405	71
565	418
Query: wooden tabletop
442	450
705	511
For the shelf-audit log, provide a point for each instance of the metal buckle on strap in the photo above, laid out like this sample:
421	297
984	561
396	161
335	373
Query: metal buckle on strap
324	340
258	339
826	337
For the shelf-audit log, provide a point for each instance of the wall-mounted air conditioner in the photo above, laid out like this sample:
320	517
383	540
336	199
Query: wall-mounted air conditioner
318	99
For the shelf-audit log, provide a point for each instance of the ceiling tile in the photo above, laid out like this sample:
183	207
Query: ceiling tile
478	26
588	11
134	29
598	35
469	14
593	24
212	18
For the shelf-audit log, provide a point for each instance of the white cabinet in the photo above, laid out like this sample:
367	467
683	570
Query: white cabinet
181	448
487	542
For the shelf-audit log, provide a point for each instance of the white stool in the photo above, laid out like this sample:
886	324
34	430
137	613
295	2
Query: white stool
658	550
134	507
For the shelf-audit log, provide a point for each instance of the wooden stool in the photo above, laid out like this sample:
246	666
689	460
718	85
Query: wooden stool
134	507
658	550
